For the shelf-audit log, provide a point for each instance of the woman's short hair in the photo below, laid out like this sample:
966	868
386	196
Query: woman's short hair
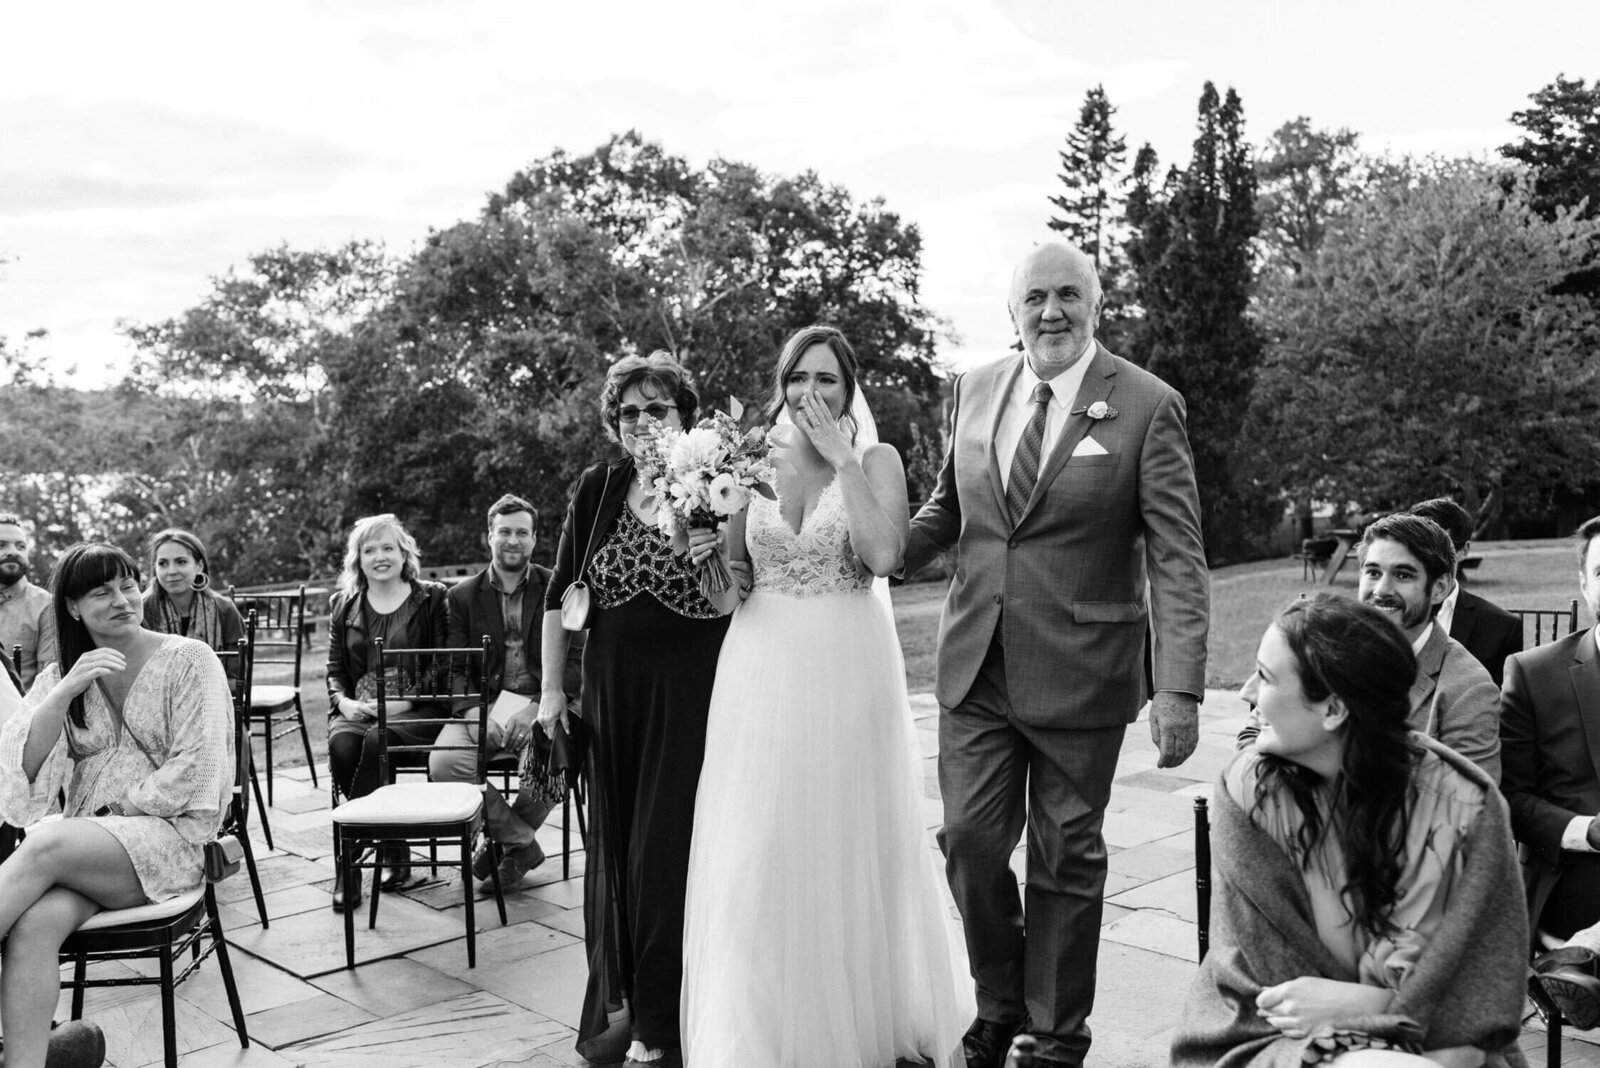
660	375
80	569
795	347
189	541
352	580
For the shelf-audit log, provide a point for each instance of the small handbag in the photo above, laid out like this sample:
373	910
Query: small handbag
222	857
575	600
552	766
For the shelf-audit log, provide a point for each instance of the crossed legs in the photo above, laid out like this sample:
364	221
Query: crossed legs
62	874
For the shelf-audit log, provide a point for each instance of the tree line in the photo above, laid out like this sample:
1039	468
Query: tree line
1346	328
1357	330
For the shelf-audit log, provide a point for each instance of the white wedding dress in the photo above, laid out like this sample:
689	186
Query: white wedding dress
814	932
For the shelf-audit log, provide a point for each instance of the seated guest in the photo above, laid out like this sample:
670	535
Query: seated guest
381	595
1550	724
136	729
1366	904
1486	630
505	601
179	599
25	617
1404	564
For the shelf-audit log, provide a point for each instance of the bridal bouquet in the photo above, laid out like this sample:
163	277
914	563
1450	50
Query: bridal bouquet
701	476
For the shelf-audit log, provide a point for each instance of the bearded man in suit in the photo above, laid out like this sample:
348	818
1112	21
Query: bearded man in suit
1069	490
1488	631
1550	745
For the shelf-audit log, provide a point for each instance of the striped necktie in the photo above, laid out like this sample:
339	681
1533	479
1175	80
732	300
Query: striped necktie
1025	463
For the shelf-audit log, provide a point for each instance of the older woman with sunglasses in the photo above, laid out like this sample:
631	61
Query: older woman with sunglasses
648	666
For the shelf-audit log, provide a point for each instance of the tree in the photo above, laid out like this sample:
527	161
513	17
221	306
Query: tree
1091	170
1303	177
255	435
1562	149
1191	256
1426	350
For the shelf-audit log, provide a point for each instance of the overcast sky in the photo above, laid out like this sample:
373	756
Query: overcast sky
147	147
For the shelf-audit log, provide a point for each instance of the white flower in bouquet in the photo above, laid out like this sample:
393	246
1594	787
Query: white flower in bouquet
696	451
727	496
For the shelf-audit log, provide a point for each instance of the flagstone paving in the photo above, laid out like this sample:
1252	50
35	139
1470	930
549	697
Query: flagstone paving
412	1000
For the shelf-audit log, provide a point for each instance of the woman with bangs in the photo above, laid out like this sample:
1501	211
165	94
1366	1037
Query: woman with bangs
380	594
1368	907
136	729
648	665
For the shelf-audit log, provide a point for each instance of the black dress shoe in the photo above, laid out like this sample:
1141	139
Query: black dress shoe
1568	978
986	1042
342	900
396	868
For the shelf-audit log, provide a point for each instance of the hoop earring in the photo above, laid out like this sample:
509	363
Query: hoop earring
200	581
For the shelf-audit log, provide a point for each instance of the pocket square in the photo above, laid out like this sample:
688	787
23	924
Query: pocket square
1089	447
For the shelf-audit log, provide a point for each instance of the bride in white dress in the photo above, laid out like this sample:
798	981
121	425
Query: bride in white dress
814	933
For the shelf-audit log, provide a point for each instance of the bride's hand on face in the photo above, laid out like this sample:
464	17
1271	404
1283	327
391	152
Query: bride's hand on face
823	429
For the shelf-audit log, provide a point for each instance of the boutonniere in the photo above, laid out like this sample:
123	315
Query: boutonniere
1097	410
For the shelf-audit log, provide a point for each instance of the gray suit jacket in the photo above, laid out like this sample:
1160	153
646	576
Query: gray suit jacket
1454	700
1106	541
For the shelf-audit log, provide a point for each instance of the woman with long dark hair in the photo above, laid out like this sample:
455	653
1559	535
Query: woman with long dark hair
136	728
1368	908
180	599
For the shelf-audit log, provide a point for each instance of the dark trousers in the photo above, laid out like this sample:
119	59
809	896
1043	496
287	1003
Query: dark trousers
1574	901
996	775
353	758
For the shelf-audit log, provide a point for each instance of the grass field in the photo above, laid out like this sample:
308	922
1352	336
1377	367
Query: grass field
1244	598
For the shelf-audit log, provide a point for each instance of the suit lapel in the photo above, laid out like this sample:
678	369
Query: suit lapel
489	607
1098	382
1006	381
1429	663
1465	621
1586	692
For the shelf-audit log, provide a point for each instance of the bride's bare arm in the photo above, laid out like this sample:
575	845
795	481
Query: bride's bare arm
876	508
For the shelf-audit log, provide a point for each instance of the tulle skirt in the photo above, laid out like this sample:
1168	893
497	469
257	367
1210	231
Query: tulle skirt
815	932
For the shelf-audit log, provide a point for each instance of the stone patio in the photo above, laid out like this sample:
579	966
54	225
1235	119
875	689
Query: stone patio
412	1000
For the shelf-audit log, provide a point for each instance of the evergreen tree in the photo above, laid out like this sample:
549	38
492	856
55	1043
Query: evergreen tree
1091	170
1191	257
1562	149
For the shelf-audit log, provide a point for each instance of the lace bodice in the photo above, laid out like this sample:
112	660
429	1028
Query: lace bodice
817	560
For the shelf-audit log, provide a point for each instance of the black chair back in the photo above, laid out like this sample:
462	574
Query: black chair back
280	620
436	677
1548	623
1202	874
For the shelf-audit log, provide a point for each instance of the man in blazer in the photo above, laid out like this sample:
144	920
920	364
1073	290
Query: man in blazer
1550	733
1406	564
1069	490
506	602
1488	631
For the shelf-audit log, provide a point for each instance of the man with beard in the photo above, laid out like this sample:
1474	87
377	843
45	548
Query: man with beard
25	618
1406	564
1489	632
506	602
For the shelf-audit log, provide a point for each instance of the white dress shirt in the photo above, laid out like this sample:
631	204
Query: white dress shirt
1446	617
1018	410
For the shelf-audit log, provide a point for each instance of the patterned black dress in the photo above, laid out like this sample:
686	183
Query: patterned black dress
648	668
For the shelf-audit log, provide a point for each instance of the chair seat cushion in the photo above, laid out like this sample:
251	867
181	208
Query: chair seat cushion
268	698
413	802
163	910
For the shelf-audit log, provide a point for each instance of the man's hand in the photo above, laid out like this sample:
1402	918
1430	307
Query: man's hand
1174	726
519	728
1593	834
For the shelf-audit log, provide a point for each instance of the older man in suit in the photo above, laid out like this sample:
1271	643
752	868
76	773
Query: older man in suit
1069	490
1550	733
1488	631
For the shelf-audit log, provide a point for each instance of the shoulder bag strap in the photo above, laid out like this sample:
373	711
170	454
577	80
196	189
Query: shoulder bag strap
594	524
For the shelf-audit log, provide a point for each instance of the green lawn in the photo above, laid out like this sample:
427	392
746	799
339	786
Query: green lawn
1523	574
1244	598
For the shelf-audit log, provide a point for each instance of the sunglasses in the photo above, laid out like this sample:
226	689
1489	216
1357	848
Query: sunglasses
630	414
